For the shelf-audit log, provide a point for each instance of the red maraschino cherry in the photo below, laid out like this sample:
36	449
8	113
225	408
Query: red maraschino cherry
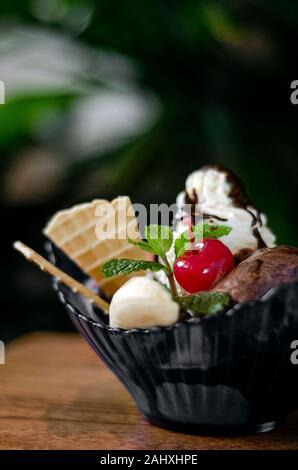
199	269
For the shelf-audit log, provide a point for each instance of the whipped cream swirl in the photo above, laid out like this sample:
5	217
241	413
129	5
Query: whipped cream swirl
221	199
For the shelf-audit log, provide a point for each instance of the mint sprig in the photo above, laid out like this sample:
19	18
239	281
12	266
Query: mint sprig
160	238
197	233
118	267
212	231
143	244
205	303
182	244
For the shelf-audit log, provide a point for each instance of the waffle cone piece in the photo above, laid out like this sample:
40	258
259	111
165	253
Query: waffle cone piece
95	232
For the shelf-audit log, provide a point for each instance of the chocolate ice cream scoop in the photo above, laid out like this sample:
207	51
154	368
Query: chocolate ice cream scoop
264	269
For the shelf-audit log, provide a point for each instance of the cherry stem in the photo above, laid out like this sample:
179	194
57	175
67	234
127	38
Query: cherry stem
170	276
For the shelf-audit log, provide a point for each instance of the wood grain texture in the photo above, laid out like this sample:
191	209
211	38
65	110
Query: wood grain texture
56	394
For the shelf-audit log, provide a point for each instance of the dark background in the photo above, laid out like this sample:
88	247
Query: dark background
127	97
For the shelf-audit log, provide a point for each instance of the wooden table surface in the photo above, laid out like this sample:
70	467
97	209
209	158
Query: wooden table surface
56	394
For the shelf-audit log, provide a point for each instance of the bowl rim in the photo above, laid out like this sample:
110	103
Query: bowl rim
230	312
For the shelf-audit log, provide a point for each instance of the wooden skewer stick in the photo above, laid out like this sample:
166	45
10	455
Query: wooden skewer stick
45	265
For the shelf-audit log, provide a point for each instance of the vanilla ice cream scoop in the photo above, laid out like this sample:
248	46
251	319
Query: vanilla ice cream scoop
142	303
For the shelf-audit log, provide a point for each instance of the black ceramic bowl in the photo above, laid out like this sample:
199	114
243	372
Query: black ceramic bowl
228	373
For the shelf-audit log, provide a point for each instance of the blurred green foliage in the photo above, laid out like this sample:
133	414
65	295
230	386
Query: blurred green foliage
219	73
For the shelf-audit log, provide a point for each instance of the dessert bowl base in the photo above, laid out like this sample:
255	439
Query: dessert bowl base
214	430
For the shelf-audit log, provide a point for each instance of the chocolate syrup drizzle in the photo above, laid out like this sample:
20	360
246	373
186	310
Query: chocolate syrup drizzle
239	198
193	201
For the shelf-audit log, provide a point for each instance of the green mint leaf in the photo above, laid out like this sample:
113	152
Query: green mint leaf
199	232
143	244
215	231
182	244
205	303
117	267
160	238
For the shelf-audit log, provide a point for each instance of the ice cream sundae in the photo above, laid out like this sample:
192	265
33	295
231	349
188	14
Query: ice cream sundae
195	318
191	267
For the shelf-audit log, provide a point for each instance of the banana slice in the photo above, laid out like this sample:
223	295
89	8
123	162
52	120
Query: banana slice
142	303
